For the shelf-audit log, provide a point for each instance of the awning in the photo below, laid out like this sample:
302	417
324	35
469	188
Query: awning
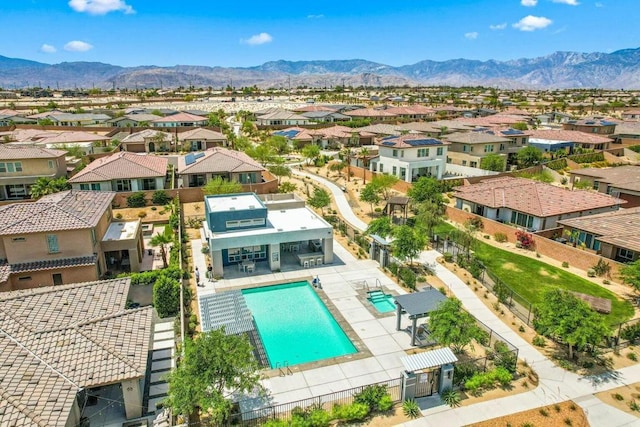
429	359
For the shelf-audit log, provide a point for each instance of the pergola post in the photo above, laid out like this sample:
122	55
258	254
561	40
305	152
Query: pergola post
398	316
414	322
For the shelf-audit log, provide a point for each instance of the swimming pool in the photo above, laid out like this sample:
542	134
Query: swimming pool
384	303
294	325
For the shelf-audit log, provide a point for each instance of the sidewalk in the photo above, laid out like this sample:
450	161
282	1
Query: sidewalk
555	384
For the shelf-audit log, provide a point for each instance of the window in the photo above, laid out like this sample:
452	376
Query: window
10	167
423	152
95	186
52	243
196	180
465	148
51	164
394	153
521	219
625	254
439	151
464	163
394	170
501	147
123	185
245	223
57	279
381	168
24	278
93	236
19	239
84	186
474	164
488	148
16	191
149	184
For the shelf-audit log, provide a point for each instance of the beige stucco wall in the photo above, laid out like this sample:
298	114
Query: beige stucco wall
73	243
45	278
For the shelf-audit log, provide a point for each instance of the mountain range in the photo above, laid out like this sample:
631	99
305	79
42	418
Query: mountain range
560	70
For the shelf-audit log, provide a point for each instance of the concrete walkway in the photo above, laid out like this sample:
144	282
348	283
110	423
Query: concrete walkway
555	384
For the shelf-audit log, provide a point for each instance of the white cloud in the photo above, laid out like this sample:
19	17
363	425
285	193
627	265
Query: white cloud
529	3
77	46
47	48
471	36
315	16
100	7
532	23
569	2
498	26
258	39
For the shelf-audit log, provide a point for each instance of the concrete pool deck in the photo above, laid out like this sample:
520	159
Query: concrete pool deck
341	284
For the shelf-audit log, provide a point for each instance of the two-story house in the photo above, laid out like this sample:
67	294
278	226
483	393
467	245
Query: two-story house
180	120
65	237
577	139
469	148
410	157
595	125
249	234
196	169
21	166
122	171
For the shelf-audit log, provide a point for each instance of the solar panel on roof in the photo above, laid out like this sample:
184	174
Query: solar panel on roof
512	132
388	143
196	156
421	142
287	134
189	159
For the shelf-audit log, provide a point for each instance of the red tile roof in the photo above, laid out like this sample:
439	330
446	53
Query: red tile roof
218	160
620	228
180	117
369	112
533	197
404	141
122	165
569	135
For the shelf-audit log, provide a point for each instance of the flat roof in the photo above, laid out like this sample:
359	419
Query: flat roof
233	202
420	304
121	230
429	359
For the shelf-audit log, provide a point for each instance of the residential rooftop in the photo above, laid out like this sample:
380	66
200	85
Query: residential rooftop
622	177
569	135
217	159
122	165
620	228
233	202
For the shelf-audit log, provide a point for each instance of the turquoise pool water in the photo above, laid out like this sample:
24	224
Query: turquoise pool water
294	325
382	302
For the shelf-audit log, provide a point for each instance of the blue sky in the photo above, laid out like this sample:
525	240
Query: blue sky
247	33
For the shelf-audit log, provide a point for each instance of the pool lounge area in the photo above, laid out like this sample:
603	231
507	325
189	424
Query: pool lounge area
380	345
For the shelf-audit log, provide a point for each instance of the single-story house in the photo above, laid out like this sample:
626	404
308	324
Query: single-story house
282	117
243	229
179	120
620	181
614	235
530	204
147	141
588	141
122	171
196	169
132	120
199	139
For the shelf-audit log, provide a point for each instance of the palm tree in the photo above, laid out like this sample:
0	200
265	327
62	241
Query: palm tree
46	185
364	156
162	240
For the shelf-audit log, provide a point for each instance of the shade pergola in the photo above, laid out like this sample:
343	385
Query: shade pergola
417	305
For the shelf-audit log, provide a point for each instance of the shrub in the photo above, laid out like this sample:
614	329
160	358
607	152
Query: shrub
521	329
602	268
568	421
118	215
631	332
411	409
591	273
160	197
142	214
500	237
371	395
544	412
408	277
634	406
166	296
385	403
525	239
618	397
450	397
565	264
632	356
136	200
488	380
393	268
448	256
539	341
464	371
354	412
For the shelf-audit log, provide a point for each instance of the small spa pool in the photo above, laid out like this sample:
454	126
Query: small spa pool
384	303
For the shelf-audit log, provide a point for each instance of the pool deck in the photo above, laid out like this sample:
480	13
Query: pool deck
342	284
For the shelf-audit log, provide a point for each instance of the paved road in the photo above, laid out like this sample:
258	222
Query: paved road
555	384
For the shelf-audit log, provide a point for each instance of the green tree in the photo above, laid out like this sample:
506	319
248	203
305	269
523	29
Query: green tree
136	200
310	152
160	197
46	185
429	214
287	187
426	188
451	325
280	171
214	368
408	242
493	162
320	199
529	156
279	144
162	240
630	274
370	194
561	315
381	226
520	126
217	185
384	183
363	155
262	153
166	296
338	166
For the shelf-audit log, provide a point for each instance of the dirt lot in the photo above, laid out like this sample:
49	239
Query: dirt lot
562	414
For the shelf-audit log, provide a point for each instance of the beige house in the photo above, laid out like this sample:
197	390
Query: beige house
60	346
200	139
132	120
147	141
66	237
123	171
469	148
196	169
180	120
21	166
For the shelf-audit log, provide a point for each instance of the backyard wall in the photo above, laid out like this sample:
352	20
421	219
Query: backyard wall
576	257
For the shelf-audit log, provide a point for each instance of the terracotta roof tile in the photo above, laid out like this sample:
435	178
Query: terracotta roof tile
217	160
532	197
201	134
143	135
180	117
569	135
122	165
18	152
67	210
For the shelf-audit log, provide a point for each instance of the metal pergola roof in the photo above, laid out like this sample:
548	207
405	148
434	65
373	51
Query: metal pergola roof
228	309
420	304
429	359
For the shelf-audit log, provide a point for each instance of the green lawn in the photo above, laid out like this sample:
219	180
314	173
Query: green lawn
530	277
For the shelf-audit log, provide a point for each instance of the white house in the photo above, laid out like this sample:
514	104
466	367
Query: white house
411	156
